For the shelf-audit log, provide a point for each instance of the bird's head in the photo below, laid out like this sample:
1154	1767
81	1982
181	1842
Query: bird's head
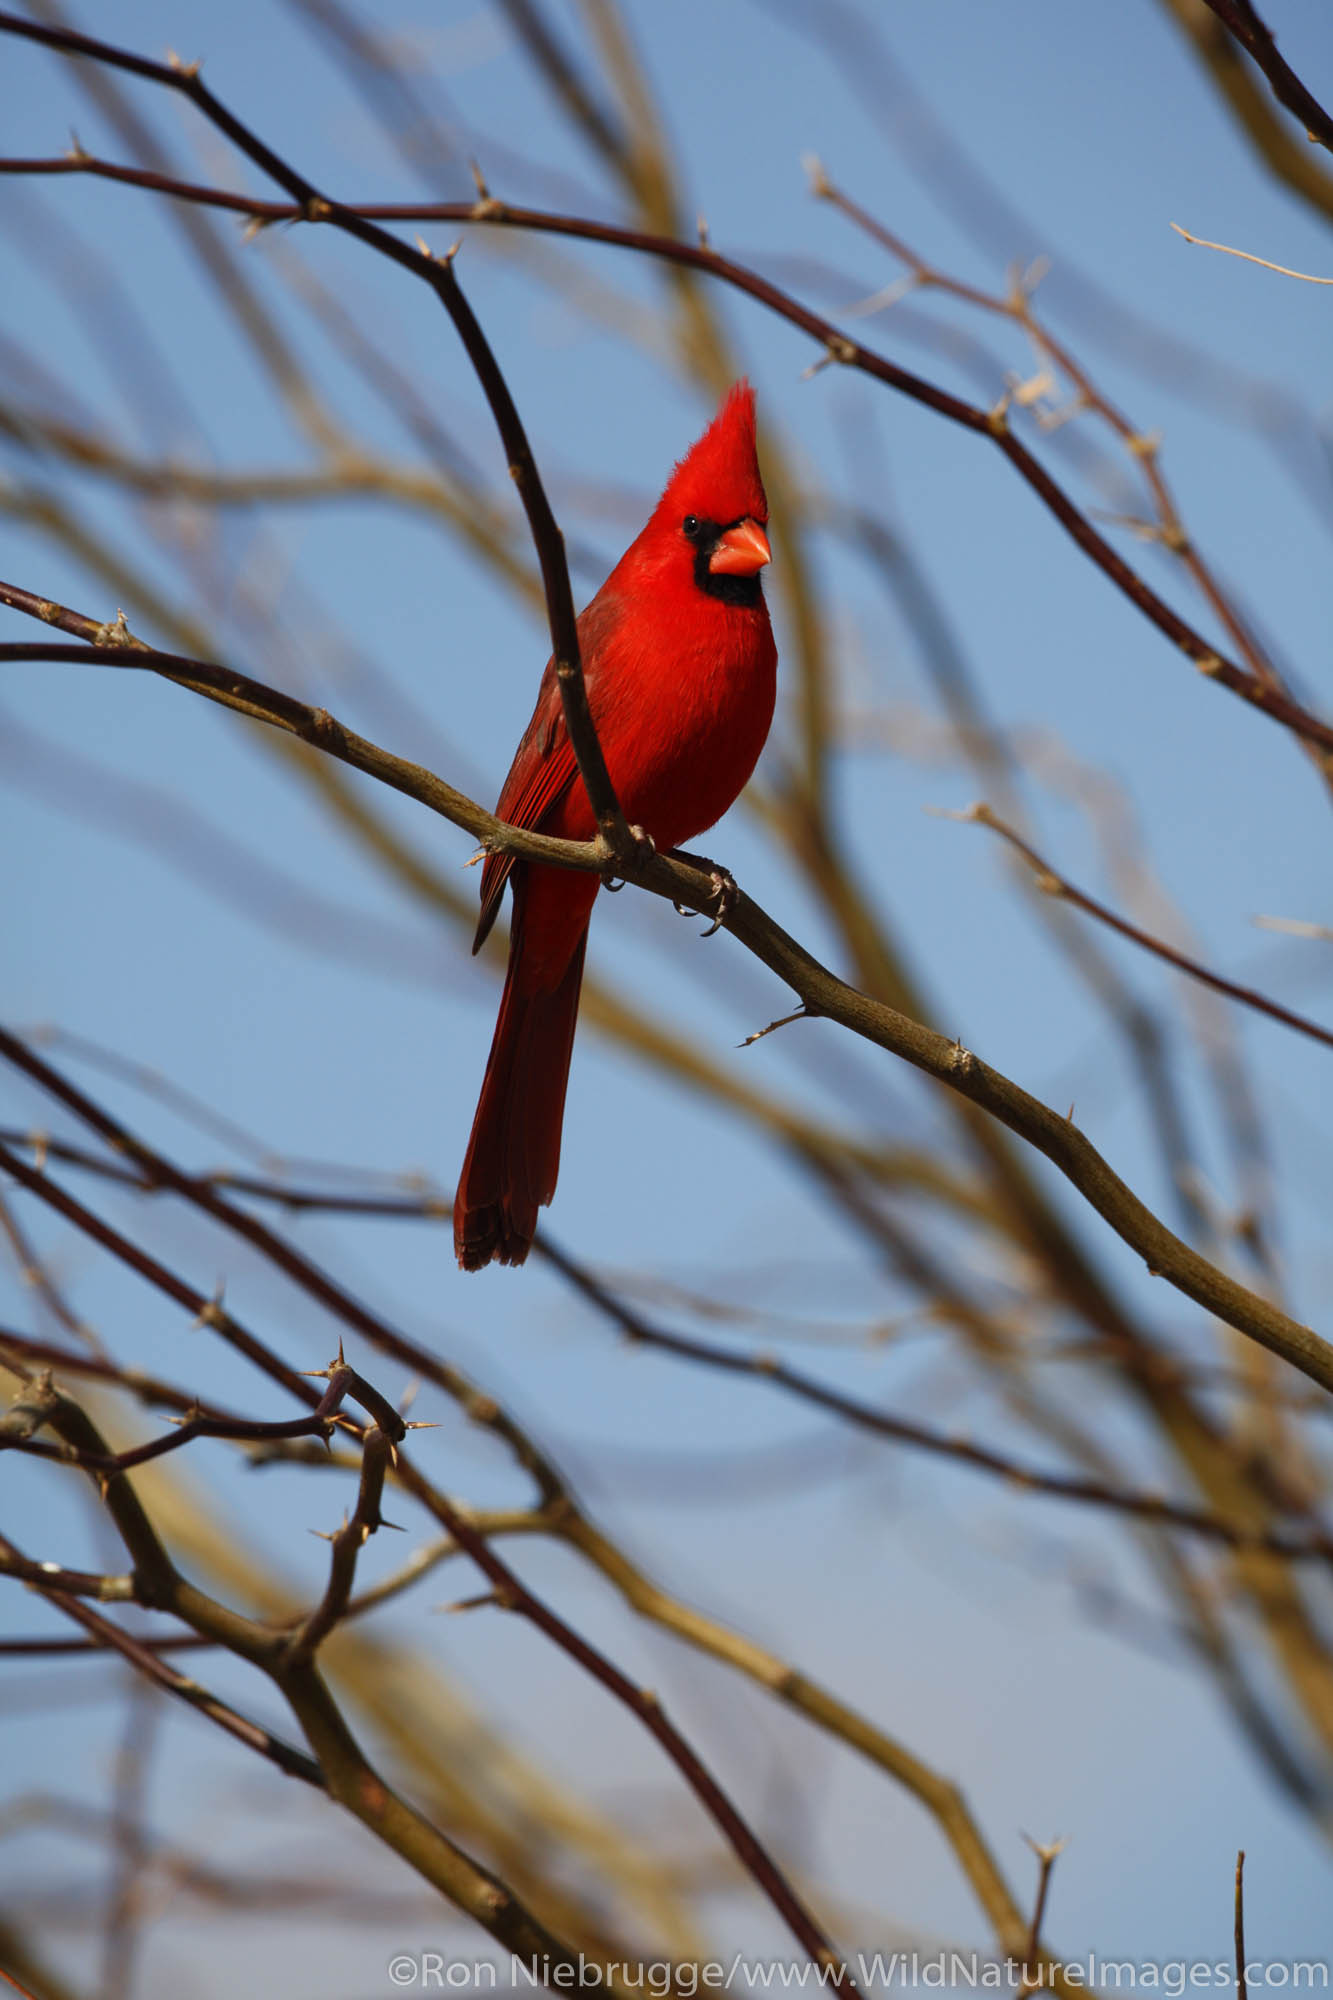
713	514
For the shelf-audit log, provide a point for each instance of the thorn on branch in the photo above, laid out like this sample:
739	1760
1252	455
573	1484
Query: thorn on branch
997	418
801	1014
499	1599
117	634
821	187
838	350
212	1313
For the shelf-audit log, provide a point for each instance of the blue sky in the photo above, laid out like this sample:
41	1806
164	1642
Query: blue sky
357	1033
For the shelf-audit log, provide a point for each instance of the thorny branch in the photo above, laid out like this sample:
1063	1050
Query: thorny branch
1053	884
820	990
1241	20
837	347
559	1514
616	837
288	1658
556	1514
1316	1545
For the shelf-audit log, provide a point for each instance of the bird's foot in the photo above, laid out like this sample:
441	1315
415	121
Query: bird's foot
721	882
644	850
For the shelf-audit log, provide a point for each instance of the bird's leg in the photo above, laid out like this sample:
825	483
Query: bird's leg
720	880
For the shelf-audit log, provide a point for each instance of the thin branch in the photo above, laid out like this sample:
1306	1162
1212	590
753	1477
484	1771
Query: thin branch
149	1662
1284	150
1239	1927
1316	1546
1053	884
1084	394
1241	20
836	346
1283	270
241	1430
1047	1855
438	273
561	1517
511	1594
343	1770
377	1451
820	991
921	1437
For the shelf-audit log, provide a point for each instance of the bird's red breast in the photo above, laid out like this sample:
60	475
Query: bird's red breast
678	660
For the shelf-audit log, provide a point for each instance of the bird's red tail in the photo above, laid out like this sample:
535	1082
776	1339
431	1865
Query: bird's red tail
513	1155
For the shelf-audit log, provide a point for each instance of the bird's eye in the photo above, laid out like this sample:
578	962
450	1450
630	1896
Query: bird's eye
691	525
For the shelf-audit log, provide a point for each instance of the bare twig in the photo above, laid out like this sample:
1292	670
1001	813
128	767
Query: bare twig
1249	257
819	990
1054	884
1047	1854
835	345
438	273
1241	20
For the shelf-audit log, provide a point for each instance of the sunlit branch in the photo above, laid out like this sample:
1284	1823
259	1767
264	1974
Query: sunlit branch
819	989
837	348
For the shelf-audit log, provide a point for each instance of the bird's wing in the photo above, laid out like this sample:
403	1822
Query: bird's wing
544	765
543	769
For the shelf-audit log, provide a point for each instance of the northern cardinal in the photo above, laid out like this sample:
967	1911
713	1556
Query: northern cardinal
681	672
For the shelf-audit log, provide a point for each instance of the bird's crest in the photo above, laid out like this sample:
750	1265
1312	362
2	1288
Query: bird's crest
718	478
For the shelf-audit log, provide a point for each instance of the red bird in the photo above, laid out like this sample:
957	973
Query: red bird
681	672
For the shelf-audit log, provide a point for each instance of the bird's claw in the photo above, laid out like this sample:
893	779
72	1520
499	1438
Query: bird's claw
720	880
725	893
644	849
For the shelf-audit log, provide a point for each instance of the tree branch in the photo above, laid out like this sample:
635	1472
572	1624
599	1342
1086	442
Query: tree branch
820	990
837	347
1239	18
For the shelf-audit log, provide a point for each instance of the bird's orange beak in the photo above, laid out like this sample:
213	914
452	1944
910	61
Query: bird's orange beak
741	550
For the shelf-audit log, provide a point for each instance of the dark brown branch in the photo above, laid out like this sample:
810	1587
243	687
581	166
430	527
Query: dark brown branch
1240	20
24	1649
1286	152
320	1423
511	1594
1313	1547
208	1312
160	1173
1047	1856
560	1516
377	1452
921	1437
1054	884
821	992
1241	681
343	1770
158	1585
439	274
147	1659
